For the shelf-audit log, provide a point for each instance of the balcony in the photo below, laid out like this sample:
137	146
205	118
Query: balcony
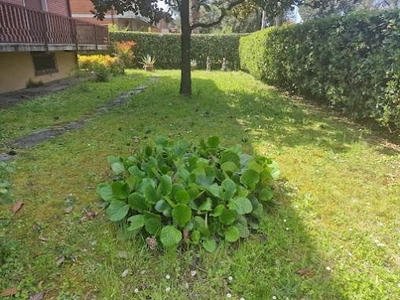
23	29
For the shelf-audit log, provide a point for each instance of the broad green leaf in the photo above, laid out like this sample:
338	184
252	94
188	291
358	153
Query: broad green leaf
244	159
165	186
241	205
258	210
275	172
210	245
218	210
120	190
118	168
244	232
181	214
176	188
152	224
252	164
135	171
117	210
131	182
136	222
229	188
227	216
194	191
182	197
213	142
162	206
232	234
150	193
229	167
242	192
205	176
266	194
215	190
250	178
105	192
170	236
206	205
231	157
195	236
138	202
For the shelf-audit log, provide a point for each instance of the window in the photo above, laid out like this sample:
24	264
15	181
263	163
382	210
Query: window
45	63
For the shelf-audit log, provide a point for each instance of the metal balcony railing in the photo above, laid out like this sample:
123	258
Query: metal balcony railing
19	25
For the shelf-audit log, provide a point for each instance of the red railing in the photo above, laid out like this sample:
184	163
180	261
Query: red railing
21	25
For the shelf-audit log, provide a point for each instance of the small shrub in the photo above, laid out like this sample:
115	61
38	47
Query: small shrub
177	193
124	52
101	65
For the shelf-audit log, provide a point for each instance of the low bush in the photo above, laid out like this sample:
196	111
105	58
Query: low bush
349	62
101	65
124	52
178	193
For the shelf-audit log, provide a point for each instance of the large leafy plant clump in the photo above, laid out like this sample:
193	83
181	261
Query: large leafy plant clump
181	194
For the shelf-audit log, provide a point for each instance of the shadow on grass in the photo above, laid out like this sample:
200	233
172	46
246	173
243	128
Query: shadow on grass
281	260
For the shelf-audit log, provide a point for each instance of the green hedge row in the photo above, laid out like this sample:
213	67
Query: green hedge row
166	48
350	62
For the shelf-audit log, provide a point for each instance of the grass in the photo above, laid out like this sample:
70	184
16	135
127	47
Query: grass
332	234
63	107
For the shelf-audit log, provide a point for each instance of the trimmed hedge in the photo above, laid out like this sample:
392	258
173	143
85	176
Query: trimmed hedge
350	62
166	48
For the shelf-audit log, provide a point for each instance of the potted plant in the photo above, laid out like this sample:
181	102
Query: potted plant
193	64
148	62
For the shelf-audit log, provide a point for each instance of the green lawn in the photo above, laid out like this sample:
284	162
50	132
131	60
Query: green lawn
333	233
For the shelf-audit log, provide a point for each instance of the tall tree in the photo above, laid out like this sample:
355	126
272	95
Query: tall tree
151	9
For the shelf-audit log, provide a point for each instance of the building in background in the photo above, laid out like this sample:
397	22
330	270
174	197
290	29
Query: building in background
81	10
39	41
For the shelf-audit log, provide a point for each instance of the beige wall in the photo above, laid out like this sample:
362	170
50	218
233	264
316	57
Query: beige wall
17	68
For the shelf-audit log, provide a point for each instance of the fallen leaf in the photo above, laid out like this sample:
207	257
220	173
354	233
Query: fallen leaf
152	242
304	272
38	296
124	273
91	214
385	181
17	206
60	261
9	292
69	209
42	239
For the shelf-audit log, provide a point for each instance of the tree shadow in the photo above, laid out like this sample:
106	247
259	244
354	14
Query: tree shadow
282	259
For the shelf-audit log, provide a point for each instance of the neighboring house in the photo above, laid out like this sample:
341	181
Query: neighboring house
39	41
81	10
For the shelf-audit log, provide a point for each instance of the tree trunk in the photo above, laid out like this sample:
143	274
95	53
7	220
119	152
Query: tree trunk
186	81
263	19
